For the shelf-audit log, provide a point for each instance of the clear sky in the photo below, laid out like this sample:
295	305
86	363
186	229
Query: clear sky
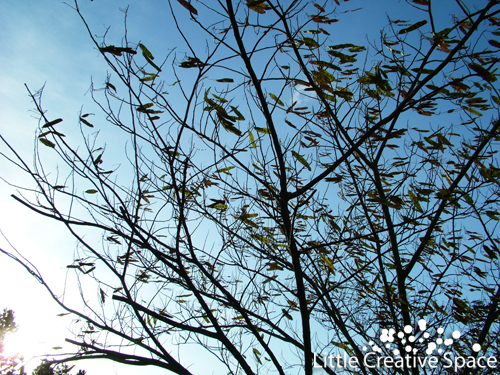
45	42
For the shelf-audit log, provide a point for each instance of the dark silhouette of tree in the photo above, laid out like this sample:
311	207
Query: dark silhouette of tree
47	368
284	191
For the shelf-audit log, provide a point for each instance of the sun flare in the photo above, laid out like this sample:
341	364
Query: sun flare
23	344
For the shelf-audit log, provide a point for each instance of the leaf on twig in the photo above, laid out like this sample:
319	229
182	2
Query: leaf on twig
145	52
258	6
86	122
413	27
47	143
483	72
276	99
188	6
52	123
319	7
252	140
117	51
228	80
415	201
301	160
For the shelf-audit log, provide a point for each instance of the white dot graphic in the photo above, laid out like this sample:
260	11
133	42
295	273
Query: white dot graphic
408	329
476	347
440	331
422	324
455	335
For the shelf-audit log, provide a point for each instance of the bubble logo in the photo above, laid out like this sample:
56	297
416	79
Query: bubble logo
399	350
408	340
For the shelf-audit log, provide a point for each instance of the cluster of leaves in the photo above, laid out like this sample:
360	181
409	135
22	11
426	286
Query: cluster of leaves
252	225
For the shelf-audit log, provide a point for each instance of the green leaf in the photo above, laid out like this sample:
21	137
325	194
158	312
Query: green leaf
357	49
225	170
327	261
150	61
461	305
343	57
261	238
252	140
415	201
493	215
341	46
218	206
145	52
225	80
230	127
257	355
91	191
238	113
263	130
483	73
301	160
310	42
472	110
276	99
413	27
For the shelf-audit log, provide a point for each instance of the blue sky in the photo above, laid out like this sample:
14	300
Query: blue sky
45	42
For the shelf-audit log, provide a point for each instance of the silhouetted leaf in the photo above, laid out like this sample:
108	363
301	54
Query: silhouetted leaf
86	122
188	6
494	43
413	27
47	143
52	123
415	201
483	72
258	6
